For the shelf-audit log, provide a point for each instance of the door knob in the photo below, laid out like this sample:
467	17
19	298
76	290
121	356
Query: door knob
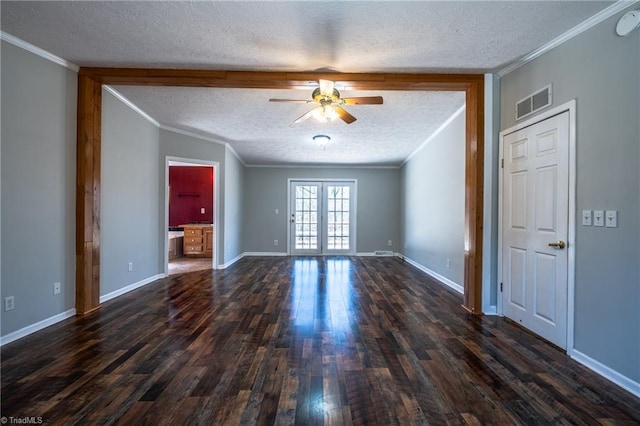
560	244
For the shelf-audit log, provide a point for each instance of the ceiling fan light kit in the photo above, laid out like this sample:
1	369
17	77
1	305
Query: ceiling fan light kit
324	113
331	103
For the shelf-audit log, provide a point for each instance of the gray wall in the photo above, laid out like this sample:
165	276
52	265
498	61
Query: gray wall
174	144
378	208
38	164
233	207
38	187
602	72
129	198
433	195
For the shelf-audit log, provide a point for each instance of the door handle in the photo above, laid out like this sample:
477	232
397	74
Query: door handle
560	244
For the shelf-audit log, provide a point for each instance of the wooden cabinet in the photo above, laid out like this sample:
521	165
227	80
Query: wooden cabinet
198	240
176	244
208	241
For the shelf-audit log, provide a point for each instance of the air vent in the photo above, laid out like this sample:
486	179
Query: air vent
383	253
533	103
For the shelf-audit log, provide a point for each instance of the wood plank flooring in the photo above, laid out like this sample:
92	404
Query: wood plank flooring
307	341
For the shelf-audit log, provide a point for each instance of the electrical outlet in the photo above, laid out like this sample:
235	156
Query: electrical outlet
389	243
275	242
56	288
448	263
277	211
9	303
130	266
202	210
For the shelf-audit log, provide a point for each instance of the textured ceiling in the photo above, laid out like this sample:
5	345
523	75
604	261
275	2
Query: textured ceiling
264	133
343	36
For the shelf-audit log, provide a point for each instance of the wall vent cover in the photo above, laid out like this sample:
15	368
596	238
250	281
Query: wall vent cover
534	102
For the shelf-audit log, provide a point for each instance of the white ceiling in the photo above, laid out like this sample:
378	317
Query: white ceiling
341	36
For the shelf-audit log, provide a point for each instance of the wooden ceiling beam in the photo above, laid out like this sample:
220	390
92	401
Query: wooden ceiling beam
88	147
277	80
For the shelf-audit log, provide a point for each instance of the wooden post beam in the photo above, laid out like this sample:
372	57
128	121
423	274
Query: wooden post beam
90	81
88	195
474	194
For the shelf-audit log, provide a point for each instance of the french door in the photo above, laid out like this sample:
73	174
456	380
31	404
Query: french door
322	217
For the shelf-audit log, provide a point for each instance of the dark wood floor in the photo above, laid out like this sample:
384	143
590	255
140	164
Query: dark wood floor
299	341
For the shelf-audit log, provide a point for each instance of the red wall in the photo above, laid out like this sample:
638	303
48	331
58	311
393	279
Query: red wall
191	188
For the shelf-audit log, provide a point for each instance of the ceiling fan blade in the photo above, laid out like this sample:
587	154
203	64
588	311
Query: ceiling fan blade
295	101
326	87
365	100
344	115
306	115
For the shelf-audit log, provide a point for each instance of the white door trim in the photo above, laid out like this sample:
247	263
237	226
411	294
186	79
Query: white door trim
569	106
216	204
322	180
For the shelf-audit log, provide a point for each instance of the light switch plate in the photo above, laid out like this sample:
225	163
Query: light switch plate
586	217
598	218
611	219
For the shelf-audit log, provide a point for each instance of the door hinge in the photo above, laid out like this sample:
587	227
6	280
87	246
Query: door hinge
501	287
502	163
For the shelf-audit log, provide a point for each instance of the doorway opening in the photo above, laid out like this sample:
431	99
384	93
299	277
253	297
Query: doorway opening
89	106
190	215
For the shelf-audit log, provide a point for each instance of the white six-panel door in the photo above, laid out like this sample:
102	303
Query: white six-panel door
535	227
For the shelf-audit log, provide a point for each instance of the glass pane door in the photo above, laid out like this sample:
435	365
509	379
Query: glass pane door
338	223
305	218
322	218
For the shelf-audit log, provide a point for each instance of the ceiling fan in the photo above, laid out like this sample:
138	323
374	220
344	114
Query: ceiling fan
331	103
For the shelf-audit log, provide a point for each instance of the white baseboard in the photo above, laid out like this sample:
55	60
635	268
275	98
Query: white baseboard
457	287
232	261
606	372
130	287
265	253
36	327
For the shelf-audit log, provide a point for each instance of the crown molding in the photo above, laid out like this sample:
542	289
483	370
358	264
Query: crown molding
436	133
599	17
235	154
38	51
131	105
318	166
190	134
204	138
